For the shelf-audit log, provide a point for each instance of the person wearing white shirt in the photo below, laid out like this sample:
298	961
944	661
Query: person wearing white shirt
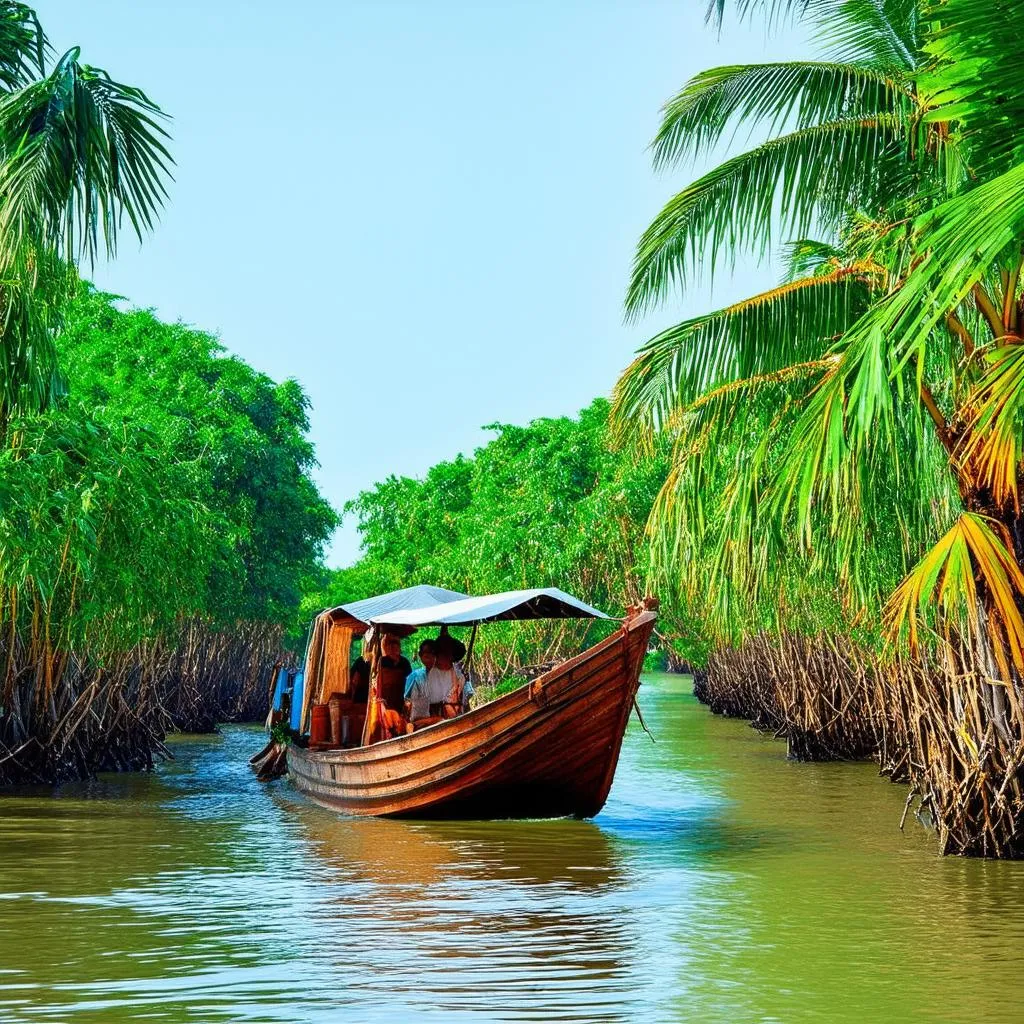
440	689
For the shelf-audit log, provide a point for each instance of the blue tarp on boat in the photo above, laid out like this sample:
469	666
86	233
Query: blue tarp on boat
297	687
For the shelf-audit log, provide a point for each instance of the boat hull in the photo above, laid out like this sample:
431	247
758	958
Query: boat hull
548	749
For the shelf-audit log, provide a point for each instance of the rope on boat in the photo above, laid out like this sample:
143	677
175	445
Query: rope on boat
641	719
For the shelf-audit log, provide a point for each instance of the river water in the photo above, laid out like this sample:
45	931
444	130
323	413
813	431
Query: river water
721	883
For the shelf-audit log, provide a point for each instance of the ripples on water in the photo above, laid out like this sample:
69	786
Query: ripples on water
721	883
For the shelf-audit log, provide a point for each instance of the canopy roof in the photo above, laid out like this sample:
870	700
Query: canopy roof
544	603
371	609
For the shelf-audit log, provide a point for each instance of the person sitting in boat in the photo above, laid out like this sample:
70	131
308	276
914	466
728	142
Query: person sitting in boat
417	705
395	670
359	680
447	688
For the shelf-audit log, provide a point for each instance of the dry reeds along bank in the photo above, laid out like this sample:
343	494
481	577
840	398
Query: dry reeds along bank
814	692
940	725
65	717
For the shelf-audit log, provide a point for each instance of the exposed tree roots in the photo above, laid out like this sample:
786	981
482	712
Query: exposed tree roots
63	717
950	731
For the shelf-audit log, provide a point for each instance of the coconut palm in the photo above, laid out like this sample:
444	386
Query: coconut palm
881	387
81	156
835	162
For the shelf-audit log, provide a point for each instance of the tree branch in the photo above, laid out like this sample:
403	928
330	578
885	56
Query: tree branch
941	427
987	308
955	324
1010	312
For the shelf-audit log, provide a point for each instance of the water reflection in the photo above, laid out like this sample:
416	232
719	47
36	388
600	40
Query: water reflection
483	908
722	883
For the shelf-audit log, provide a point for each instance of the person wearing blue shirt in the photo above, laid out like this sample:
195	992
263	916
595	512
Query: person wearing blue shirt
440	689
417	703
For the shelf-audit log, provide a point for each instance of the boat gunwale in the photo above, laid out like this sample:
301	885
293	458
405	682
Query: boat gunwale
445	732
493	745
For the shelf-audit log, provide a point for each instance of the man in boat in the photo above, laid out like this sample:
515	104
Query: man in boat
417	706
395	671
440	689
447	680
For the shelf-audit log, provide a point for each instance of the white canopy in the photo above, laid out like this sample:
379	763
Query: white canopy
544	603
373	609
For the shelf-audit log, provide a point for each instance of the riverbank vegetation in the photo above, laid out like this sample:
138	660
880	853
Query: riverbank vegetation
157	520
846	454
157	527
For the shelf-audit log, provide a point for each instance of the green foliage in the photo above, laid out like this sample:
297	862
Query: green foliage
99	535
233	439
80	156
655	661
171	482
508	684
552	503
823	442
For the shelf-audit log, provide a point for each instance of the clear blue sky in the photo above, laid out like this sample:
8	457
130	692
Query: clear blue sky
424	211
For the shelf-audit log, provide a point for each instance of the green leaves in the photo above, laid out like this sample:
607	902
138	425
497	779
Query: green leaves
972	79
881	33
798	94
87	510
793	323
808	178
22	45
81	153
235	440
844	421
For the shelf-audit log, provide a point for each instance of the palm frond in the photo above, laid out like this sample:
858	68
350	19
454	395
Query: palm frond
774	8
80	153
972	79
760	335
993	441
23	45
957	244
808	257
808	177
880	33
796	94
942	589
883	33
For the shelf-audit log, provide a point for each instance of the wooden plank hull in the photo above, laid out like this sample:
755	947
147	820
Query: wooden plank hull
548	749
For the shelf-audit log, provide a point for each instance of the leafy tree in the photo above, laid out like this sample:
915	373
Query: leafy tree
237	439
871	406
80	155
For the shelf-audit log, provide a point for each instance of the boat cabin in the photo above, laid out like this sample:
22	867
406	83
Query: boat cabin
337	701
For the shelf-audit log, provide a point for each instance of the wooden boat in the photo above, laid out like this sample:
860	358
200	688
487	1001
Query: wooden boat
547	749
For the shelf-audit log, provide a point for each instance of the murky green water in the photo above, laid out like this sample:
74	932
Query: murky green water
721	883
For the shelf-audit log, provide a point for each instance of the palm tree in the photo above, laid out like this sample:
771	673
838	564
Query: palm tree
80	155
882	385
835	162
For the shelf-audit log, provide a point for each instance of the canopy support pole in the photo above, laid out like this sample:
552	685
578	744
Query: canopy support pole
469	653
